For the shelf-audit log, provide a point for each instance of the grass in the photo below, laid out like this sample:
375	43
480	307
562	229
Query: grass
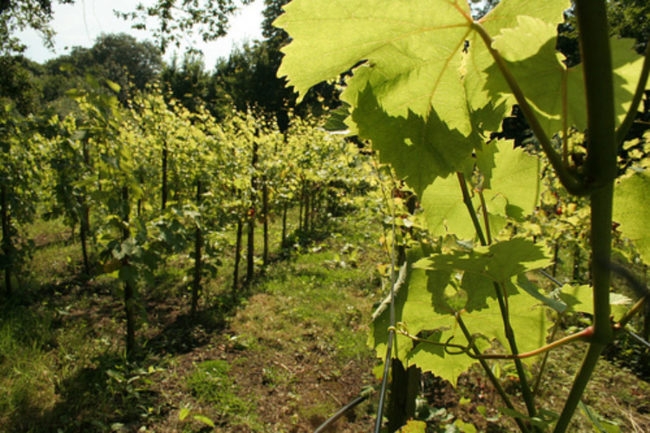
280	356
62	366
210	382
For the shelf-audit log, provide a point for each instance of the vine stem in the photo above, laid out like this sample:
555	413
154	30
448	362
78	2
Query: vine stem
571	182
542	367
601	169
630	313
584	334
493	379
486	218
526	392
470	208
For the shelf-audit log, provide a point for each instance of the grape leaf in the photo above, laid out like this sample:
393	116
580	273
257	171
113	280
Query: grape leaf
516	176
413	307
444	210
529	50
631	211
627	65
579	299
498	262
416	50
430	357
539	69
478	61
528	320
419	151
396	38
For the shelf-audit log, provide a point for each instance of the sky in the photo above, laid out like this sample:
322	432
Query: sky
80	24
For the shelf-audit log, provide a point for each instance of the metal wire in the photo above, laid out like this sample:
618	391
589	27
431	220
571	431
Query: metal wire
638	338
364	396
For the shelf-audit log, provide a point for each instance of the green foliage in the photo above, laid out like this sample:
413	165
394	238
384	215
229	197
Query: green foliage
428	109
627	19
170	21
210	382
631	212
18	84
16	15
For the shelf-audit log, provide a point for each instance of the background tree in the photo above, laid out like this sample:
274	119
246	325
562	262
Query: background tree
629	19
17	15
174	19
19	84
189	83
125	60
116	57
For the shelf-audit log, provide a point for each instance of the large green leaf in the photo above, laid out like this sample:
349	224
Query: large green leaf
421	305
444	210
479	65
413	308
416	50
419	151
529	50
532	58
632	212
516	176
527	318
498	262
482	268
627	65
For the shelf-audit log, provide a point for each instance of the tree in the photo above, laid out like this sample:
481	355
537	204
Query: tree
175	18
119	58
249	78
189	83
18	84
17	15
629	19
273	10
125	60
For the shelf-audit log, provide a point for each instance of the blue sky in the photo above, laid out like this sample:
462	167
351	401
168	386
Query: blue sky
81	23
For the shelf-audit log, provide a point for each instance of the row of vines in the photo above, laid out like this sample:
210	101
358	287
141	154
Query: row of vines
147	182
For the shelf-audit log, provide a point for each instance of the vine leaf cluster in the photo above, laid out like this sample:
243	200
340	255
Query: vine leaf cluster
428	86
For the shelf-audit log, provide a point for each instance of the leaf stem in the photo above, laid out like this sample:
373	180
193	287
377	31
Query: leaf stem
529	399
526	393
493	379
486	220
542	367
630	314
625	126
584	334
470	208
571	182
